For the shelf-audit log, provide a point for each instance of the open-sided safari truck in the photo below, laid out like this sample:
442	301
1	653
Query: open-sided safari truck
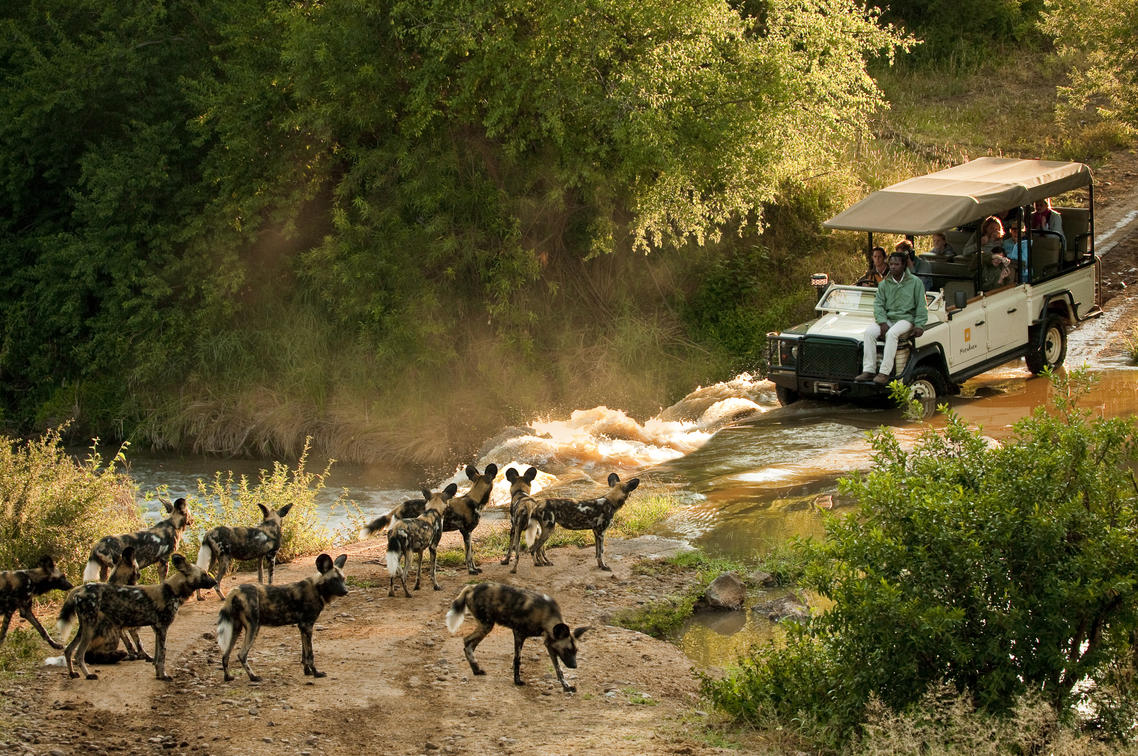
974	325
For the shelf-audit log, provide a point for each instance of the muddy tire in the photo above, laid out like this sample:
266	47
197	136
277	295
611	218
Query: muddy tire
1050	348
928	383
786	396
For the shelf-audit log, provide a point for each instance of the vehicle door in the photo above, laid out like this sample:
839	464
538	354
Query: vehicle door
967	336
1006	315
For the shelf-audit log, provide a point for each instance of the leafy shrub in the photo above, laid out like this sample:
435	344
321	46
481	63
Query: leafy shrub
51	503
1003	571
233	502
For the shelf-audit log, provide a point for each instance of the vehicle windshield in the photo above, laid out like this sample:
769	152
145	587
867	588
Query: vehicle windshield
856	299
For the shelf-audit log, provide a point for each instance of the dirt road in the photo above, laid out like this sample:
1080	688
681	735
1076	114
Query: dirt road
397	681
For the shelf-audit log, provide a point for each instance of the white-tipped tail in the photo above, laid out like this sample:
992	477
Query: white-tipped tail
392	562
365	533
55	661
224	633
532	532
63	628
455	618
205	556
91	571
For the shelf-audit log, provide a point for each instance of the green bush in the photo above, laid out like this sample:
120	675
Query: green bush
51	503
1002	570
233	502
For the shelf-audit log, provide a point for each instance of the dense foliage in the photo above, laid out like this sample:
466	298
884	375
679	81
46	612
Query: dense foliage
221	198
1000	570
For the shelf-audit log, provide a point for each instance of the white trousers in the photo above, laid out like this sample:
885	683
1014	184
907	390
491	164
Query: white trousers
869	346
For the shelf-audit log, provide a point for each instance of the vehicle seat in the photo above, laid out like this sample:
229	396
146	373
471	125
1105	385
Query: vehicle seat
1076	227
951	287
1045	251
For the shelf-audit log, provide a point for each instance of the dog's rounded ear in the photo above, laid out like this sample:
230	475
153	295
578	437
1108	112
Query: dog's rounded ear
179	562
450	491
426	493
180	504
472	472
560	631
491	471
340	560
323	563
613	479
284	510
264	510
511	474
46	563
580	631
166	505
631	485
531	474
127	555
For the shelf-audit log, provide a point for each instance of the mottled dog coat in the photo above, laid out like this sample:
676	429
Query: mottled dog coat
222	545
19	587
132	606
589	514
104	645
154	545
528	516
411	536
252	605
528	613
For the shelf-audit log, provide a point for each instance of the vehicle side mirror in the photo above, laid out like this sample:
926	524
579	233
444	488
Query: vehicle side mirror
959	299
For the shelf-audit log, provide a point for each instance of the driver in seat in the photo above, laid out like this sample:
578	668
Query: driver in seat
898	307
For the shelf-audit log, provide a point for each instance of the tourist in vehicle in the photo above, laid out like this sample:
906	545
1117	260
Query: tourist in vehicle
1045	218
877	268
991	233
941	248
918	266
898	308
996	269
1015	249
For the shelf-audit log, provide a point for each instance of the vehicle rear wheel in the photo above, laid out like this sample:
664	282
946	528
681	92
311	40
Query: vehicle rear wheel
1051	349
928	383
786	396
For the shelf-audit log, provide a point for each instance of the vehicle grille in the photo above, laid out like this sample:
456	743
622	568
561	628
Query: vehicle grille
826	358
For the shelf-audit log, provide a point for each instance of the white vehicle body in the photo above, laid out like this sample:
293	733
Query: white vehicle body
969	330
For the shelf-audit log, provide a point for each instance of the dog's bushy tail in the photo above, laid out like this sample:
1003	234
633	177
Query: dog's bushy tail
457	613
68	616
396	546
533	530
91	571
225	627
205	556
375	526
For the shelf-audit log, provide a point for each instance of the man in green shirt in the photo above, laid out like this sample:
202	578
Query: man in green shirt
898	307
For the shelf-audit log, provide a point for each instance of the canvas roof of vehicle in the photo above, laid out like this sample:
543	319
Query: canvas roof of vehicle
961	194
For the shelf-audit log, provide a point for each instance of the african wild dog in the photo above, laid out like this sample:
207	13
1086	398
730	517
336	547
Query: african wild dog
528	613
251	605
411	536
155	544
463	513
224	544
19	587
104	645
527	515
131	606
589	514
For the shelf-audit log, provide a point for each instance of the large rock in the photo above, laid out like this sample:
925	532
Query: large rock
790	607
726	593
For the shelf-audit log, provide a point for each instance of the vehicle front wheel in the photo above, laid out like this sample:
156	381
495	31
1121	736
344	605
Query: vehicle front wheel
928	383
1051	349
786	396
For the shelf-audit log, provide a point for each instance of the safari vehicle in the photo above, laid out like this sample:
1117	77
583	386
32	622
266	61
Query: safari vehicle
970	330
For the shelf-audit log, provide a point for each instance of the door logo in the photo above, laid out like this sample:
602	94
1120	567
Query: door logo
968	334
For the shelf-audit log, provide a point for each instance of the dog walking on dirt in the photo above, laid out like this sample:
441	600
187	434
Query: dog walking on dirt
104	645
528	613
19	587
252	605
223	544
130	606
